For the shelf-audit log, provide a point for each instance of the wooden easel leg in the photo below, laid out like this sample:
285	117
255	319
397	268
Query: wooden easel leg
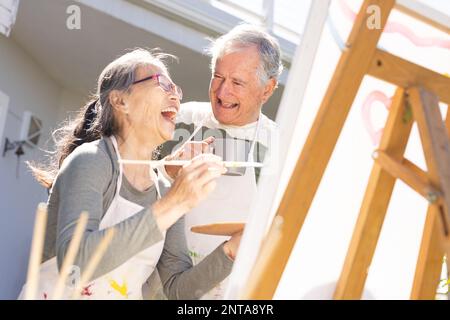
375	203
436	146
319	145
429	262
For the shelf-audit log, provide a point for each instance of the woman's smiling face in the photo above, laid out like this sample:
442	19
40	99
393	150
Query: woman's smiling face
151	109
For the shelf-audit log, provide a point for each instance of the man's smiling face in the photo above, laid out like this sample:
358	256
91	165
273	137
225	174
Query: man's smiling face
235	91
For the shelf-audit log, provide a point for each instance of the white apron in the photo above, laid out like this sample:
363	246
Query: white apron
229	202
124	282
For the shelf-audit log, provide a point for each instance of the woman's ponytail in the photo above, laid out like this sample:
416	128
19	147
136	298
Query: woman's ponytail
67	138
84	131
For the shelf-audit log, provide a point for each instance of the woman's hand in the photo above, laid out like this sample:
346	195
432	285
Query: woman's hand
193	184
189	151
231	247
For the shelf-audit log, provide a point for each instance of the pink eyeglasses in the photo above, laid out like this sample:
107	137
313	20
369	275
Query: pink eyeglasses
165	84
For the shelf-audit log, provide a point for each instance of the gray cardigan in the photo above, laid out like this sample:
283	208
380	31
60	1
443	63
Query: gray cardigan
87	181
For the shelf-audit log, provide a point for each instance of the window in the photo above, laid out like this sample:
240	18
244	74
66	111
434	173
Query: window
286	18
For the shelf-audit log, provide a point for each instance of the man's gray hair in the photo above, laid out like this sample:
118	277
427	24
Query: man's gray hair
247	35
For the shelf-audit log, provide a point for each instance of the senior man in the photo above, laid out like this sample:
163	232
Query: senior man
245	66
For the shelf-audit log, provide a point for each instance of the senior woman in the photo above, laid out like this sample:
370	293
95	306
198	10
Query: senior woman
132	114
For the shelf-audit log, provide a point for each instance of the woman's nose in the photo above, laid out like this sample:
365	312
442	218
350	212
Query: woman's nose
174	97
175	90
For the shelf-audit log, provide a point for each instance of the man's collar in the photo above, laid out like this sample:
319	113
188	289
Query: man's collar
230	126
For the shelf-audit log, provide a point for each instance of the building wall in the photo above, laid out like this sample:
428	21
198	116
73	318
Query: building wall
29	88
70	102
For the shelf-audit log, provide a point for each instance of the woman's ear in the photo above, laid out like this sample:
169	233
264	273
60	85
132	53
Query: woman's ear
117	101
269	88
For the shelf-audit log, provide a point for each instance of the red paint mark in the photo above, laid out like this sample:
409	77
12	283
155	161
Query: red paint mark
86	291
45	296
375	134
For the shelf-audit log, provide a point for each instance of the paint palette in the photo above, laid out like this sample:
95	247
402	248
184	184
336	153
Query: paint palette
219	229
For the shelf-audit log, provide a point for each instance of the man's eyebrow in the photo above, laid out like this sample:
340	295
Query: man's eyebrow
233	78
238	80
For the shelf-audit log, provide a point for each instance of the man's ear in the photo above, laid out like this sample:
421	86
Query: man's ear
117	101
269	88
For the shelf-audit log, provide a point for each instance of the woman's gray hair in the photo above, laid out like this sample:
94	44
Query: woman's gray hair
247	35
120	75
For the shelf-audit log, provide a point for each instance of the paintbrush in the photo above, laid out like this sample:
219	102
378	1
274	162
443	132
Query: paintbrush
93	262
37	247
155	163
70	255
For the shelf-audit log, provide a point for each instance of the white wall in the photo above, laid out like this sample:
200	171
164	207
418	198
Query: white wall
70	103
29	88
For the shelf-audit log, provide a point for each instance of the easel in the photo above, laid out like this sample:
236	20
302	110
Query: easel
411	102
